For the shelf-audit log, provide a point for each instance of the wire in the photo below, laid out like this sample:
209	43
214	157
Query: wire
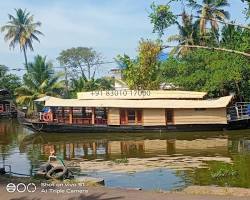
94	64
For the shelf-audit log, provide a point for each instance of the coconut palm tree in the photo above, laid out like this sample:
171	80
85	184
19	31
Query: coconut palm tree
210	11
21	30
39	80
188	35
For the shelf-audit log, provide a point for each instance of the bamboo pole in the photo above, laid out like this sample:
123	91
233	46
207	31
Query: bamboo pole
209	48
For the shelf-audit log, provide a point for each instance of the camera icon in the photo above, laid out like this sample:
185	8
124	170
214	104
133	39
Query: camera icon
21	187
11	187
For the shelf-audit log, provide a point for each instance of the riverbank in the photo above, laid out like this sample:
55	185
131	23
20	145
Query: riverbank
72	190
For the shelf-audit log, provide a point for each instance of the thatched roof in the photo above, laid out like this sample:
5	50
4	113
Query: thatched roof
143	103
149	94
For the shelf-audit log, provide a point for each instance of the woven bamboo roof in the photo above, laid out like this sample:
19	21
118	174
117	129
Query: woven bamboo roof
221	102
147	94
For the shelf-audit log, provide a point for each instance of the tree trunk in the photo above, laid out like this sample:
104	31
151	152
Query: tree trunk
209	48
25	57
66	82
89	71
238	91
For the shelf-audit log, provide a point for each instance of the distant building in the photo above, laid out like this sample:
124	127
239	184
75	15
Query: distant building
168	86
7	108
119	83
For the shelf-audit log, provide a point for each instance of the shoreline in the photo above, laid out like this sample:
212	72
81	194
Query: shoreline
71	190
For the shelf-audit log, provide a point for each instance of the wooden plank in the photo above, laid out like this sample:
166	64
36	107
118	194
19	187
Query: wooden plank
154	117
207	116
114	116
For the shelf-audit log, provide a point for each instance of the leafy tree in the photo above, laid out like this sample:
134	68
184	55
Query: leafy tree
161	18
75	60
235	38
80	58
7	80
210	11
22	30
142	73
210	71
39	80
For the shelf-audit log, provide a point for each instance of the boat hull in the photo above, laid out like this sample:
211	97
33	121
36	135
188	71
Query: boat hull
8	114
239	124
70	128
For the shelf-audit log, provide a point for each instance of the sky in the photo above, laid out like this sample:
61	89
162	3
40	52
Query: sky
111	27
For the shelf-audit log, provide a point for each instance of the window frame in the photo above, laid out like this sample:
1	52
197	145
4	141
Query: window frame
171	112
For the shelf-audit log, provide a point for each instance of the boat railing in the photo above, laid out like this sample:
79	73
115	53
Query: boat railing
240	111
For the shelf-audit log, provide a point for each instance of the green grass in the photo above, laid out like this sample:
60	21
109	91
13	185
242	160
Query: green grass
120	161
225	171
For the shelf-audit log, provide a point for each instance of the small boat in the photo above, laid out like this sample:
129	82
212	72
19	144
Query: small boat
140	111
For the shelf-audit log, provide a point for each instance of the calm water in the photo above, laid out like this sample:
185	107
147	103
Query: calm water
24	151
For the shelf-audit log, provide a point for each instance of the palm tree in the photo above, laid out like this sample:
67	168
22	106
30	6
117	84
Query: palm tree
21	29
188	35
210	11
39	80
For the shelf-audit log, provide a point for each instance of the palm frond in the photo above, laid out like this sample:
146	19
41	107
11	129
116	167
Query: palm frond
174	38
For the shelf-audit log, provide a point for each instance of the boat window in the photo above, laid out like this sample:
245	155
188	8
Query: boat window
131	116
169	116
100	113
87	112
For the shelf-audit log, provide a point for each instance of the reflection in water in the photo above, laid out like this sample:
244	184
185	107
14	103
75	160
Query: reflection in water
87	148
25	150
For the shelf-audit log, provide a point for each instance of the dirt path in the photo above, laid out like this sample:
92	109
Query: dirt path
102	193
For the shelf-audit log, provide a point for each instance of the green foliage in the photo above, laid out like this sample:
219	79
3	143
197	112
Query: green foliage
247	9
39	80
225	171
217	72
82	85
223	174
210	71
235	38
210	11
143	72
121	161
7	80
161	17
80	58
188	35
21	30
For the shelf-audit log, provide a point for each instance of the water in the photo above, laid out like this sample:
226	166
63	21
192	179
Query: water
25	151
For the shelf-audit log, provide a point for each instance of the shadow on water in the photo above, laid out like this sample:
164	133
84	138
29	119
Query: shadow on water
25	150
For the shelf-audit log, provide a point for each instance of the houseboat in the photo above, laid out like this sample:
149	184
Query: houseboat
139	111
7	108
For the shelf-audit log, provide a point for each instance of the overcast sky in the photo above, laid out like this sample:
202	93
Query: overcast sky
111	27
